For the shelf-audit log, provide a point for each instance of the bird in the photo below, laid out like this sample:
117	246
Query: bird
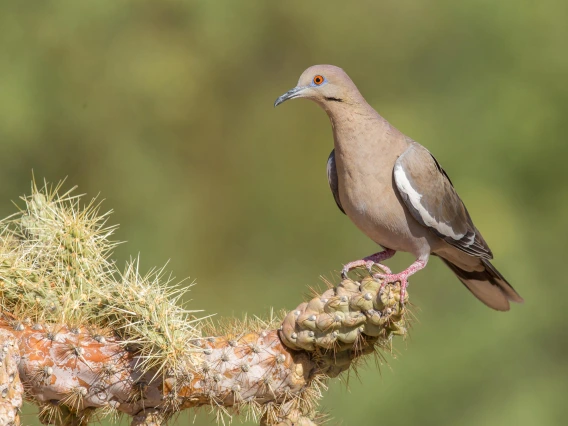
395	191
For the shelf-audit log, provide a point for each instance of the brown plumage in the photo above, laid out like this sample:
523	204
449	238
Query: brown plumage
396	192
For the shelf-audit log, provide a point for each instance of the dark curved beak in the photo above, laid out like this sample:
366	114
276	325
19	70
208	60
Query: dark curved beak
290	94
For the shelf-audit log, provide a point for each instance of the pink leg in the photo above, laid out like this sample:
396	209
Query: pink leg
369	261
402	276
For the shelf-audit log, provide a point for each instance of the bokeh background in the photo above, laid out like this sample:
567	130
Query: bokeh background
165	109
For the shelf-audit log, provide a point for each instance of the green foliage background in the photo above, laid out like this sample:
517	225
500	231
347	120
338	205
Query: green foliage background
165	108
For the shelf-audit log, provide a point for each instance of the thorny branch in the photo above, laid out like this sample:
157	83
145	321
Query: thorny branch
87	341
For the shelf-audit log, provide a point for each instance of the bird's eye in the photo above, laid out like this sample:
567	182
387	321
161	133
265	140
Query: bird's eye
318	80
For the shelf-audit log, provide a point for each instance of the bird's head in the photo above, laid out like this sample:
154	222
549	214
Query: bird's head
323	84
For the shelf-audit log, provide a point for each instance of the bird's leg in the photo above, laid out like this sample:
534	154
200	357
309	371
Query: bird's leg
402	276
369	261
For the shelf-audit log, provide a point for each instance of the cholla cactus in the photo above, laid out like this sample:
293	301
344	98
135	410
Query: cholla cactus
87	340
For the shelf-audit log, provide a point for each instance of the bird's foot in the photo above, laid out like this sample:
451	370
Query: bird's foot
393	278
401	277
369	262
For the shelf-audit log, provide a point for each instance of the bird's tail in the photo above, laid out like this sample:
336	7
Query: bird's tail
488	285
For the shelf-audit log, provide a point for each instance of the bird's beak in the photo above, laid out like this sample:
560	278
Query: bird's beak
290	94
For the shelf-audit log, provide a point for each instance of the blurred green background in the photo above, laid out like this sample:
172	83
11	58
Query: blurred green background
165	109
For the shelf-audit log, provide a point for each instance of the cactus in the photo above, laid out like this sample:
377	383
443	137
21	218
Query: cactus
83	340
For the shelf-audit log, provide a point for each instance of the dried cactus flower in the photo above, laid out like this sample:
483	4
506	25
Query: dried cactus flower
94	341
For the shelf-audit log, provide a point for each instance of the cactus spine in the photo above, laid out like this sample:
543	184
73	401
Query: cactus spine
89	340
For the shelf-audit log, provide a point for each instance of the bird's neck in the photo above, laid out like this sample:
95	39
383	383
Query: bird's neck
355	125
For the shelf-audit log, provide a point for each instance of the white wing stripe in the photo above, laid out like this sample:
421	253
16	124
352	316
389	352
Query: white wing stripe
468	241
414	198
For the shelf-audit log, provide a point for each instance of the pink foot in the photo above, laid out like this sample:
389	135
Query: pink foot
402	277
369	261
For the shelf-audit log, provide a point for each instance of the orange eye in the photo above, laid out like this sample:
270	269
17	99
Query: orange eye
318	79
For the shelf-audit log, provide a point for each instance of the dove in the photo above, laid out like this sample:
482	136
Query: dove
396	192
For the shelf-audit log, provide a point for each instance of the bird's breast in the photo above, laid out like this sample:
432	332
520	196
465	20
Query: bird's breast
370	199
363	191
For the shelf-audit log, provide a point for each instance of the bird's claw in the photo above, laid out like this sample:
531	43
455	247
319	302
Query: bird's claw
401	277
391	278
368	264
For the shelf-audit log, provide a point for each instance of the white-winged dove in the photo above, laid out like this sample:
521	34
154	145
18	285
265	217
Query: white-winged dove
395	191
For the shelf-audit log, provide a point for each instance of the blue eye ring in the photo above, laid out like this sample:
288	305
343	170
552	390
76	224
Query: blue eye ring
318	80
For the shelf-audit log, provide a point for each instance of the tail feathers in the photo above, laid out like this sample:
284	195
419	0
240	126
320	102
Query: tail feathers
488	285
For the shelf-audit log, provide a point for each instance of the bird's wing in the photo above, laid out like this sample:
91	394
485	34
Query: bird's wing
432	200
332	179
